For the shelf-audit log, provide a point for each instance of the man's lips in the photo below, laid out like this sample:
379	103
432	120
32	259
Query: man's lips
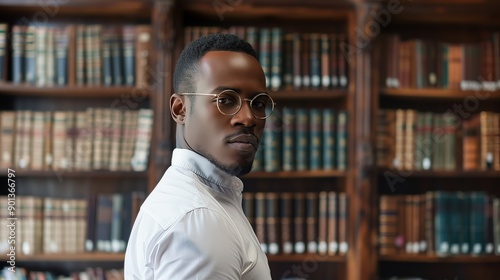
245	139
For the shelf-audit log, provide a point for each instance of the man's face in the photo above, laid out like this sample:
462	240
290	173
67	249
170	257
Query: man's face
230	142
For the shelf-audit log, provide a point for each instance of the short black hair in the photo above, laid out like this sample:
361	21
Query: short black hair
187	65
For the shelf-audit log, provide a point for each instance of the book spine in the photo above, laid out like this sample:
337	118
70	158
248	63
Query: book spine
129	54
276	58
265	54
272	225
286	214
3	49
17	52
315	147
328	139
272	143
288	139
299	223
342	140
260	220
301	139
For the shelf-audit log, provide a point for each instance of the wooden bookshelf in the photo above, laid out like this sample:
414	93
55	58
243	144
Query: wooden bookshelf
448	23
306	257
440	259
429	94
362	99
443	173
81	174
318	95
296	174
80	92
81	257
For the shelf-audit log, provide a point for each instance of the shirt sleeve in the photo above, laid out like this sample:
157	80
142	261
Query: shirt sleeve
204	244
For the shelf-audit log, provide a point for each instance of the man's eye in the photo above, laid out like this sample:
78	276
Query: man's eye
260	105
226	101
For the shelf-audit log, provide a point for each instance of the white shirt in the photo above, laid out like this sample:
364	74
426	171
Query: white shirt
192	226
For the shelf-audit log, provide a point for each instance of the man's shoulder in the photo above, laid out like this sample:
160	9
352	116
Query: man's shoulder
174	196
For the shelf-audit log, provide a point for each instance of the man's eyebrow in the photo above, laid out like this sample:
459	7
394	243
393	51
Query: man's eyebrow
221	88
237	90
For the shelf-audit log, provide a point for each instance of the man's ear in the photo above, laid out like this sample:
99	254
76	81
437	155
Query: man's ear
178	108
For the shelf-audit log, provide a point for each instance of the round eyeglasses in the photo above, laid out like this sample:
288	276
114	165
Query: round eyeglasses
229	103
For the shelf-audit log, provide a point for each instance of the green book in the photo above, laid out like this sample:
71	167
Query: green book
315	126
272	143
342	140
288	139
301	139
328	139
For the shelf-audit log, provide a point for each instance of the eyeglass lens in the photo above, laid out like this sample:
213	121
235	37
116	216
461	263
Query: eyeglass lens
229	103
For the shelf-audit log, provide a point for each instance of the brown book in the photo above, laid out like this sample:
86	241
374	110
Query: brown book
299	223
260	220
288	61
37	143
312	222
248	206
306	60
408	202
389	224
272	224
143	56
297	60
429	222
343	222
286	219
325	61
323	223
342	62
7	134
332	224
334	78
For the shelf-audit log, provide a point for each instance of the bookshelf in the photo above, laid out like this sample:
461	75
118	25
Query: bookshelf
426	169
362	98
276	185
94	72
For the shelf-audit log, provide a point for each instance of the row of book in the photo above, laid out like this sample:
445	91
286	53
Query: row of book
90	273
303	139
412	140
95	139
440	222
46	225
422	63
291	60
299	223
83	55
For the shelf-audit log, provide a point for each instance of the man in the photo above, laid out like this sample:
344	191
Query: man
192	225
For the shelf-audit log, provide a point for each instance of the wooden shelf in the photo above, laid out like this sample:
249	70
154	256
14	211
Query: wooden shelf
80	257
295	174
443	173
309	94
71	91
432	94
79	174
308	257
440	259
110	8
478	12
252	9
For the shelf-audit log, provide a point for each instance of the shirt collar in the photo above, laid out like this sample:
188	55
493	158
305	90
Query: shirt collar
205	169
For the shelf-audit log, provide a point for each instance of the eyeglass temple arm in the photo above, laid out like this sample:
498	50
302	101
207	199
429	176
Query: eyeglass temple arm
196	93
